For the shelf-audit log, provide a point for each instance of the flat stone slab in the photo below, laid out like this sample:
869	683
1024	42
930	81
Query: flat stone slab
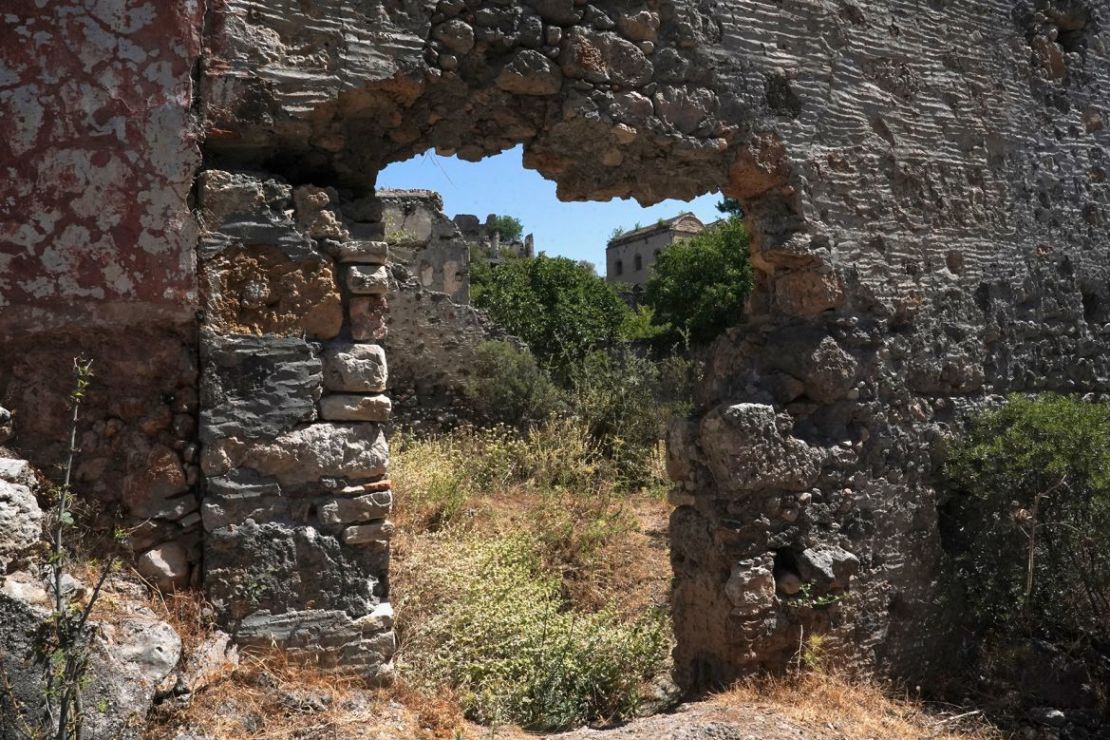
348	407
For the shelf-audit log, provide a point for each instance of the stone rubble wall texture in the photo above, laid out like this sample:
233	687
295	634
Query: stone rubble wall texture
924	182
434	333
296	500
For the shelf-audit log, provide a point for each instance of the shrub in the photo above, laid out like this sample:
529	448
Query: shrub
625	401
508	386
1029	522
562	310
497	632
699	285
436	476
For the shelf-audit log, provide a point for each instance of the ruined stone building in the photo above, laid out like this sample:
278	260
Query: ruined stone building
188	198
630	256
486	242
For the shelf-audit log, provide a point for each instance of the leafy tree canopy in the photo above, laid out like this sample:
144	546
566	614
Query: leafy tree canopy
699	285
560	308
509	227
730	207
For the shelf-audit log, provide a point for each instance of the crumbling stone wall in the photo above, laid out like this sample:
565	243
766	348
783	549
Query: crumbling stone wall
296	498
924	182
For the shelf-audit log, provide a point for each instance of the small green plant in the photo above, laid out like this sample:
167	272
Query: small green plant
64	645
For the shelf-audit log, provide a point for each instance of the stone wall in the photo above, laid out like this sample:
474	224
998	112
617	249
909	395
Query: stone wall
924	181
296	499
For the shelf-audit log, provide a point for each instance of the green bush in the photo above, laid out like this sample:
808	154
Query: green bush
699	285
626	401
508	386
561	309
1029	518
498	633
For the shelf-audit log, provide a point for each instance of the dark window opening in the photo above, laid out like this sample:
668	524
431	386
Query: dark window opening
618	268
639	262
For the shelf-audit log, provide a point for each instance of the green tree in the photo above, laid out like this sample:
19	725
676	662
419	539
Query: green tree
699	285
730	207
508	227
562	310
1028	522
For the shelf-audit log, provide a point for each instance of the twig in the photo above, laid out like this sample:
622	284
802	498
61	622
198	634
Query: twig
958	717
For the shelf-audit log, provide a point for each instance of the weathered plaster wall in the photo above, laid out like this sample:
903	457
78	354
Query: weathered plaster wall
98	151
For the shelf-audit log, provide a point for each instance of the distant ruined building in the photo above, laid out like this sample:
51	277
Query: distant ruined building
630	256
486	242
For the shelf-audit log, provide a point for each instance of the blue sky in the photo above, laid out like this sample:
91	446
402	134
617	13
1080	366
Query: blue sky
501	185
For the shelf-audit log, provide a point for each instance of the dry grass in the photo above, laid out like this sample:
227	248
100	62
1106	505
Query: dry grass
836	706
269	698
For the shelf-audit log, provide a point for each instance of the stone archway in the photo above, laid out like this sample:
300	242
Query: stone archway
862	170
924	183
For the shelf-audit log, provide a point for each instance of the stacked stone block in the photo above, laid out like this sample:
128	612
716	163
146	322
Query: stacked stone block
292	415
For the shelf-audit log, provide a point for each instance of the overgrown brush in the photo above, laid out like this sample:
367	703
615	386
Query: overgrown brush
486	619
503	598
1029	519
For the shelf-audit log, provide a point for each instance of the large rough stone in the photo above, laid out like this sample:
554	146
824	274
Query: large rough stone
20	522
260	290
165	566
278	568
7	430
749	448
828	565
159	489
15	470
355	368
368	318
604	57
130	657
327	638
255	387
530	73
306	455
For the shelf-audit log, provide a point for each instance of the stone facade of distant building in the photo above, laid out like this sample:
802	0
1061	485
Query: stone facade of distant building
630	256
485	240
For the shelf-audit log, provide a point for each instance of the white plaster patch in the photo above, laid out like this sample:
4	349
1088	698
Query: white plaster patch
166	150
117	14
8	76
97	46
40	287
118	280
23	235
25	113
